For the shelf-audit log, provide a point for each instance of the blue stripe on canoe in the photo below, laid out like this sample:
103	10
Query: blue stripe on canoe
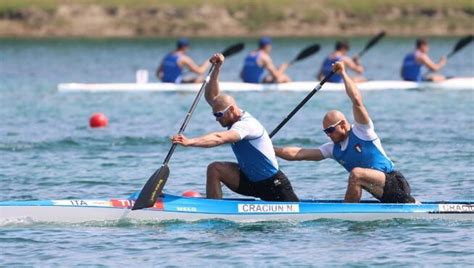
230	206
27	203
175	203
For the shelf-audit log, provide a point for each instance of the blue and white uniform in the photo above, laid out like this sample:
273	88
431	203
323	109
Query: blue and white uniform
411	69
361	149
326	69
171	69
254	152
252	72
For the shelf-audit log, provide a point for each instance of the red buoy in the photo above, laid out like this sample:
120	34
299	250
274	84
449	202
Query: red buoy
98	120
191	194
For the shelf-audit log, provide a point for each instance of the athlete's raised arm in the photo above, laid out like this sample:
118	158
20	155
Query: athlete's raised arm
361	115
212	87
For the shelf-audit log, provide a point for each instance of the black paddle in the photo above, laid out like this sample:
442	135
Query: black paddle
461	44
297	108
306	53
154	185
370	44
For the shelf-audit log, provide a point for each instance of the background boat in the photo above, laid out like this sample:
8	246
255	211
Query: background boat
450	84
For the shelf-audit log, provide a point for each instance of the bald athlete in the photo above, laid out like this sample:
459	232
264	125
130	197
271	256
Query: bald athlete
358	149
256	172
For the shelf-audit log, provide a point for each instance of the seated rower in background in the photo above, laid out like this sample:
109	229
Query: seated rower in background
412	63
259	61
171	67
340	54
358	149
256	172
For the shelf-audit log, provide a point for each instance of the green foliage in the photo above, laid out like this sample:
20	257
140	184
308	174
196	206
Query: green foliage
254	14
15	5
273	8
257	14
314	15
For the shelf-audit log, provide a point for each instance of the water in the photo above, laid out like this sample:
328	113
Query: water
47	151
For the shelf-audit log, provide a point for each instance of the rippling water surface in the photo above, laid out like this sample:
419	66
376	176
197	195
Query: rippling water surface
47	151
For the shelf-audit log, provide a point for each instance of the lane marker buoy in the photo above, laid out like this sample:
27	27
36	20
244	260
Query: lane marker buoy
98	120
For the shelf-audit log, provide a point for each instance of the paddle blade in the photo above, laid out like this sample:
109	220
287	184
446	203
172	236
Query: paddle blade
303	102
461	43
306	52
372	42
233	49
152	189
375	40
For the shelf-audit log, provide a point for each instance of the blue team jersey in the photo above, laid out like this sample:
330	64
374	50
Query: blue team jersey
252	72
254	152
326	69
171	69
362	148
363	154
411	69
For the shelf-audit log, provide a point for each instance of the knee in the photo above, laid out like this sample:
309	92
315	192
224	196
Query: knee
213	168
356	175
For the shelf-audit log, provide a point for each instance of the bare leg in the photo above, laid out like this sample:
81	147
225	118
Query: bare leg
436	78
225	172
284	79
359	79
268	79
199	79
371	180
191	79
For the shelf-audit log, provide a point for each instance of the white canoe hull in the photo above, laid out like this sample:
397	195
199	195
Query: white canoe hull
239	210
451	84
83	215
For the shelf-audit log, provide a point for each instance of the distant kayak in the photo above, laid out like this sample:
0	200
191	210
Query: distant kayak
465	83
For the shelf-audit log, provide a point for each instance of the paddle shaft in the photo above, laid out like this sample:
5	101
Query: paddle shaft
303	102
154	185
189	114
228	52
306	52
459	45
451	54
370	44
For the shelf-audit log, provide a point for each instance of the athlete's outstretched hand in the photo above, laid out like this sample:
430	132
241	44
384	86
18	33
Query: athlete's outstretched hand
217	59
338	67
180	139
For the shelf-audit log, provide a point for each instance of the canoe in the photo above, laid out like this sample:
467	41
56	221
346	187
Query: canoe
172	207
450	84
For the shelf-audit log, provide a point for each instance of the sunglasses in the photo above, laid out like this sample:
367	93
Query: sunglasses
332	127
220	114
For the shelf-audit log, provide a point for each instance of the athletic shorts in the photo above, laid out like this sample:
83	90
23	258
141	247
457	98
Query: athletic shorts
275	188
396	189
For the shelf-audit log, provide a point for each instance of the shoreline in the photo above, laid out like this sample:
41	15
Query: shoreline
231	38
299	18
